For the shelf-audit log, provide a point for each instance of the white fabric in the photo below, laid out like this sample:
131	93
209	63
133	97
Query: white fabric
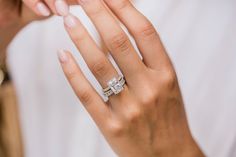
200	37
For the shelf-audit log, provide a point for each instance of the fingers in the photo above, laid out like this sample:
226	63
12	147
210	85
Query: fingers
96	60
39	7
114	37
91	100
44	8
59	7
142	30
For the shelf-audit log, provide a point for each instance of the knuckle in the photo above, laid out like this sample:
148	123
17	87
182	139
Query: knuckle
147	31
169	79
78	36
71	74
116	128
120	43
133	115
149	97
84	96
95	11
100	67
122	4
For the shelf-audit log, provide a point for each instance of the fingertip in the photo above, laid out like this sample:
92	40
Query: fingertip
63	56
62	7
70	21
42	9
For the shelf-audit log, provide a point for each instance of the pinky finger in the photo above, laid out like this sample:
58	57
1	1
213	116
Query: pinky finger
38	7
91	100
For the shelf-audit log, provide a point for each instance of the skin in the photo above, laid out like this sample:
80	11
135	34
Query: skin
147	119
50	4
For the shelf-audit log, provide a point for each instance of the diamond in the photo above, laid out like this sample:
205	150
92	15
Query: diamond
115	85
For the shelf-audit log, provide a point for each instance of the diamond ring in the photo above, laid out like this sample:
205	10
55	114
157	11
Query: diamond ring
115	86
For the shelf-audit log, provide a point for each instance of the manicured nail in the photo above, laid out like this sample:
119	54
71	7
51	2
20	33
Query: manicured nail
81	2
43	9
63	56
70	21
62	7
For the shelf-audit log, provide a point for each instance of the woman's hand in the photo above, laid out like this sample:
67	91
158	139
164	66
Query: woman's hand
147	119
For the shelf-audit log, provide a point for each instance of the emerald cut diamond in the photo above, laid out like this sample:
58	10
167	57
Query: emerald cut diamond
115	85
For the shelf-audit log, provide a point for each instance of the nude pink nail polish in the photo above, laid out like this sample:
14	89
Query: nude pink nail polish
43	9
62	55
62	7
70	21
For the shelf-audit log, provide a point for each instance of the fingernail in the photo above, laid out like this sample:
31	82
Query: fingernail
62	55
70	21
81	2
43	9
62	7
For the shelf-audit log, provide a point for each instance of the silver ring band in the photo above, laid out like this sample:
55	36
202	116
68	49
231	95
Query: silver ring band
115	86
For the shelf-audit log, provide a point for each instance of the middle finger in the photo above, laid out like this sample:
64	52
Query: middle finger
115	38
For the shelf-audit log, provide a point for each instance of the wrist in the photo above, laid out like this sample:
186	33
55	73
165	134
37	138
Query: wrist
181	144
191	149
175	137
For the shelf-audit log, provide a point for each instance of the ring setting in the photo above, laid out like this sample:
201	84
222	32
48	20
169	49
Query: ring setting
115	86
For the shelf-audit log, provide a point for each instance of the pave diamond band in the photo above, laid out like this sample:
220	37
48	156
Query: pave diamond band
115	86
